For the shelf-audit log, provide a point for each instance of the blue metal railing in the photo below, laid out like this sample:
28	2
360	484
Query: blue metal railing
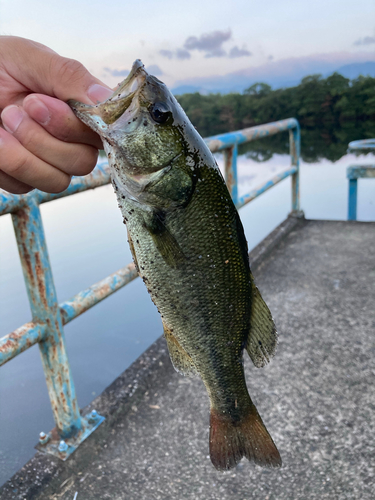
49	317
355	172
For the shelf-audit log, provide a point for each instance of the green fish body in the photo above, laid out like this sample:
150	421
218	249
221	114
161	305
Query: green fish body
189	247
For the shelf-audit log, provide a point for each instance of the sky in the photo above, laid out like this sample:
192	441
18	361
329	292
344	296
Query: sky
185	42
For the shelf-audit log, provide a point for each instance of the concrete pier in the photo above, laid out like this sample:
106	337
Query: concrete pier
317	396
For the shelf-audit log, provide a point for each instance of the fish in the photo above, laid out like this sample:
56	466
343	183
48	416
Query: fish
189	248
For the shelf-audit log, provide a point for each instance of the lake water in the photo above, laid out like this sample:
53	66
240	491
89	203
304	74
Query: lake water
86	242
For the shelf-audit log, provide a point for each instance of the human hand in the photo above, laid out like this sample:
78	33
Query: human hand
42	143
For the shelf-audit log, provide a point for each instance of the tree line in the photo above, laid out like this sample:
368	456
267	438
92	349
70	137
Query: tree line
331	111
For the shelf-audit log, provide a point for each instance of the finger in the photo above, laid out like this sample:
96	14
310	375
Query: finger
17	162
41	70
59	120
71	158
12	185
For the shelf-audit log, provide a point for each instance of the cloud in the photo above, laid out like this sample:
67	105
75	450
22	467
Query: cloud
183	54
116	72
154	69
210	43
236	52
166	53
216	53
367	40
178	54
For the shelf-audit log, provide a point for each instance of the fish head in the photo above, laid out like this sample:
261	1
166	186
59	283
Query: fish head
143	129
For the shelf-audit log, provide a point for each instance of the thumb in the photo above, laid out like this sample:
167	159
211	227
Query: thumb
40	69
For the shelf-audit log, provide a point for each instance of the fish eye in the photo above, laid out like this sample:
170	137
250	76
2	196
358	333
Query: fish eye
159	112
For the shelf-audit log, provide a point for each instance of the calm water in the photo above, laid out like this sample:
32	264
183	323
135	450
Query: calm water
86	242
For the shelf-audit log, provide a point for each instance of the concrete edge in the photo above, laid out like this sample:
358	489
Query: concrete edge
270	242
118	397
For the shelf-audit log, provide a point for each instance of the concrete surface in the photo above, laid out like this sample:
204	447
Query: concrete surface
316	397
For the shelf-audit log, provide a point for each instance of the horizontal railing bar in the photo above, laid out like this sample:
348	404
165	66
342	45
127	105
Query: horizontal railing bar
224	141
363	144
243	200
31	333
96	293
99	177
21	339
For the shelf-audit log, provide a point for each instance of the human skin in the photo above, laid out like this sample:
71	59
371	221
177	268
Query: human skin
42	143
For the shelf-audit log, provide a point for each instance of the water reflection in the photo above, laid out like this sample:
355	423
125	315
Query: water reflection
328	143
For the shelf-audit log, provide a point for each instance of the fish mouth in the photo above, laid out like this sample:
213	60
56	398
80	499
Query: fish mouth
121	103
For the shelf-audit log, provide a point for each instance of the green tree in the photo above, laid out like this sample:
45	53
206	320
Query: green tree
332	111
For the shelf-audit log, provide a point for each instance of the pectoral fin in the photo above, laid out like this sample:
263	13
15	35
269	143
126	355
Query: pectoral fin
165	242
181	360
262	341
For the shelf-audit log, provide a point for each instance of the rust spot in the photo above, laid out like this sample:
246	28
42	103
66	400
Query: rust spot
14	339
9	344
26	260
55	434
63	398
21	224
40	279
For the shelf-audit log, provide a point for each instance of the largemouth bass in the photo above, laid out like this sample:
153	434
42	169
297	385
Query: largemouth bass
189	247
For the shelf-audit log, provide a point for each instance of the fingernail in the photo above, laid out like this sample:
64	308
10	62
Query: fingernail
38	111
11	117
98	93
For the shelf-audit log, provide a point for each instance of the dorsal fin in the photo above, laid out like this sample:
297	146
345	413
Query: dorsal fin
262	341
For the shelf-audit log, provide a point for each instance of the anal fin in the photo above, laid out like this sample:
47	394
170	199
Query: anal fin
181	360
262	340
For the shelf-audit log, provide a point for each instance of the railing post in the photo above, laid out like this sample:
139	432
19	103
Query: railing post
45	309
352	200
295	148
230	166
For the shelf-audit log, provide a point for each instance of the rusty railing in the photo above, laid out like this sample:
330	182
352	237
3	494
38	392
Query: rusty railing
49	317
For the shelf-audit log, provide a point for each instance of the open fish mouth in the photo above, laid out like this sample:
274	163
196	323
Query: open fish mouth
118	109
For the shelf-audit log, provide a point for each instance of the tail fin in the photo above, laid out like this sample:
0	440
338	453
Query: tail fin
230	441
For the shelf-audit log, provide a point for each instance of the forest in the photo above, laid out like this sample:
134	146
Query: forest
332	111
